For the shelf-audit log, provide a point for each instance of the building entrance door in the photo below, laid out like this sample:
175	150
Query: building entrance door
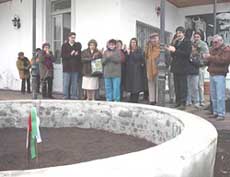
61	26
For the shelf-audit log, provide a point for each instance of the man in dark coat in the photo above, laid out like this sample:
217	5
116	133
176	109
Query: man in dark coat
71	59
179	67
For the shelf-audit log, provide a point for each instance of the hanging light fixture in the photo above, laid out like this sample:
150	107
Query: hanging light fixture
16	22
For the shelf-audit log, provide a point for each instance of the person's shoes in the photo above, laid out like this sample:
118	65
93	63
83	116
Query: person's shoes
23	92
153	103
182	107
176	105
202	104
29	92
51	97
208	113
219	118
197	106
213	116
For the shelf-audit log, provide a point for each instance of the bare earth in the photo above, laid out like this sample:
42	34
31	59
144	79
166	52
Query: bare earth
64	146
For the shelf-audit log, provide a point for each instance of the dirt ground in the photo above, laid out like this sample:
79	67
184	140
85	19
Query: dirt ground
222	166
64	146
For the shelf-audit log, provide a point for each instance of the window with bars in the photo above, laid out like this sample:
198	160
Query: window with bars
60	5
143	32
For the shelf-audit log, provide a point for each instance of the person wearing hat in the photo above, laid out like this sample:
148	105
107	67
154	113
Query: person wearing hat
152	54
23	65
46	70
90	82
180	51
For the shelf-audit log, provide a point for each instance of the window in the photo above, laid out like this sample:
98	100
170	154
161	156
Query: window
60	5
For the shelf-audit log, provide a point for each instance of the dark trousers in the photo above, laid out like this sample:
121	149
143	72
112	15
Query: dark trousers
47	86
134	97
25	82
38	85
180	84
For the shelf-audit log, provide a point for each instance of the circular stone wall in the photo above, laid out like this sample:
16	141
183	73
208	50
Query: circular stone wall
186	143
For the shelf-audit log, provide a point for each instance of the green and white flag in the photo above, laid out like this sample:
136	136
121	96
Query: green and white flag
33	133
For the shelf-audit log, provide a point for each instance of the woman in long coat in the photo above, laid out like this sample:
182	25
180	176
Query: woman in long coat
135	64
152	54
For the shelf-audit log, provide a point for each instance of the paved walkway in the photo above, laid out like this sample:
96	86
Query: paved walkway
220	125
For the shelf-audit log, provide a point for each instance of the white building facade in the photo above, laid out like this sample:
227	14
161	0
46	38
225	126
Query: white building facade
100	20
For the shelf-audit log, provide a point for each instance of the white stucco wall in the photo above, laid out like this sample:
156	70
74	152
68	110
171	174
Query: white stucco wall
14	40
144	11
102	20
99	20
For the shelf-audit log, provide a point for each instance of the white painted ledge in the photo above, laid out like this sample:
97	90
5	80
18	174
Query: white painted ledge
186	143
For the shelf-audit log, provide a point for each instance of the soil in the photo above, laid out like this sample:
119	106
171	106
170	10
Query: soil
64	146
222	166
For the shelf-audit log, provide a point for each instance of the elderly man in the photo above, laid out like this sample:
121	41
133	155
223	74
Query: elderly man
218	62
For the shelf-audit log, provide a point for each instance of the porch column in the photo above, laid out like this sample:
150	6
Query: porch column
161	65
34	67
214	17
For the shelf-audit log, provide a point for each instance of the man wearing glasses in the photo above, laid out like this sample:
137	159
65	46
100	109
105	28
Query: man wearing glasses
218	61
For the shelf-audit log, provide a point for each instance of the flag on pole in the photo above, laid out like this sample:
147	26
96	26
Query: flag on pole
33	133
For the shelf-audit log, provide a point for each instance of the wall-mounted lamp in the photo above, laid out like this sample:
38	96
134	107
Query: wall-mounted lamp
16	22
158	10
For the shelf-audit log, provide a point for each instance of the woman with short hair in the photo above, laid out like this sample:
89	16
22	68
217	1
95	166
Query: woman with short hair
90	82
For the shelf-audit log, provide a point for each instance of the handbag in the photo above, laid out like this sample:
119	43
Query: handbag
96	67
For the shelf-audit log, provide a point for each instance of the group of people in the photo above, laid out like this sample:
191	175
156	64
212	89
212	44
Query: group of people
44	70
135	70
123	69
189	60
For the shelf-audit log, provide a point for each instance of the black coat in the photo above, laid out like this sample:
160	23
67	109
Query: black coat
71	63
135	65
181	57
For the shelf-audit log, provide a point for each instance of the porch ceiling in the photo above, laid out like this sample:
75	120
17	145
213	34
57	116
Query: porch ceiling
1	1
189	3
